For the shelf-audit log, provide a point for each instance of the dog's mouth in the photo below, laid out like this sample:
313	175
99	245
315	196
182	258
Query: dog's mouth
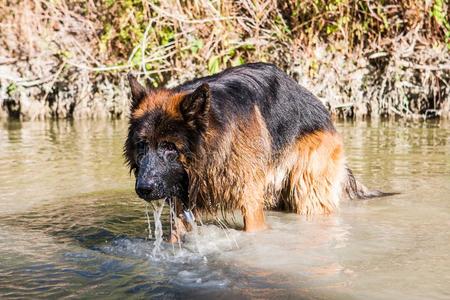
149	195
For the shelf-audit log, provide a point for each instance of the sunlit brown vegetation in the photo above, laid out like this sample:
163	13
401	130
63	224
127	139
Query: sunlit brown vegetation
65	59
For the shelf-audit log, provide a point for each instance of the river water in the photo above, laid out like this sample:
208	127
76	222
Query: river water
71	226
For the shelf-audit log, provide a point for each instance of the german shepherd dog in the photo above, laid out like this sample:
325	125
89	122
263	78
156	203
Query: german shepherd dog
249	138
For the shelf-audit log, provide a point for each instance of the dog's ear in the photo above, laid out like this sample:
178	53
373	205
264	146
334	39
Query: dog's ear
138	92
195	106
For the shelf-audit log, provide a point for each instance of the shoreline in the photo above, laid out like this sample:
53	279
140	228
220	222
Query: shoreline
69	60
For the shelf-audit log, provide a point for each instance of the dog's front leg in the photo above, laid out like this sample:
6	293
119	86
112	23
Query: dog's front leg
254	219
178	230
182	222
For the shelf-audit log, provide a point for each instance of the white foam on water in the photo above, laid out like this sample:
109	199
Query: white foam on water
138	248
194	232
185	266
211	239
197	245
203	277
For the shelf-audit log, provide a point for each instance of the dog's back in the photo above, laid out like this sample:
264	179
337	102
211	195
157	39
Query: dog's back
289	110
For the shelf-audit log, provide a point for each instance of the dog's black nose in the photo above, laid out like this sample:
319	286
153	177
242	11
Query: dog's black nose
144	188
147	190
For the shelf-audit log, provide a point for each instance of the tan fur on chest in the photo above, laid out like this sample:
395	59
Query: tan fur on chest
230	171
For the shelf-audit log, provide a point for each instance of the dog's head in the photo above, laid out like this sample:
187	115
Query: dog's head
165	129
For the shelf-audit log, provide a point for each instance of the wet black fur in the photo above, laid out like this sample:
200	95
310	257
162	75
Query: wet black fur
288	109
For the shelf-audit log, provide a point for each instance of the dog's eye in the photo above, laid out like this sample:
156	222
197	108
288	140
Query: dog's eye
167	146
168	150
141	149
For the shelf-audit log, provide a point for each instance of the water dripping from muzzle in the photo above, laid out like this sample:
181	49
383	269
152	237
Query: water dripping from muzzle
149	223
158	207
189	216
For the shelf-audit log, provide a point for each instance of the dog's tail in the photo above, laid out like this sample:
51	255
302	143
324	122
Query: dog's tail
356	190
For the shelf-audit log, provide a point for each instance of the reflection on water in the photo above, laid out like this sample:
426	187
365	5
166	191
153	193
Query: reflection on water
71	225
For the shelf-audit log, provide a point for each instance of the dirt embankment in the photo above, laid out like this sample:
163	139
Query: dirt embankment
361	58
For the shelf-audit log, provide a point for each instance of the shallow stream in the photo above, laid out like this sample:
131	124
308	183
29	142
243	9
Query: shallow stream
71	225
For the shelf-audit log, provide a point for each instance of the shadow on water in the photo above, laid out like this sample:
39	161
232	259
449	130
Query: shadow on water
89	220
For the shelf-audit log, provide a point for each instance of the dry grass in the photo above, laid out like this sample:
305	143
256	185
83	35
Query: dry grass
63	59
